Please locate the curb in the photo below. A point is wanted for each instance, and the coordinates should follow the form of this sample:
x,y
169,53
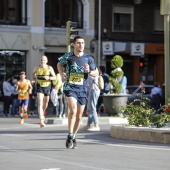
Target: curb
x,y
102,120
56,121
142,134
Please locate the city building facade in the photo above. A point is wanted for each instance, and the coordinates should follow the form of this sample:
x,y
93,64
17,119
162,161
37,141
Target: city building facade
x,y
32,28
133,29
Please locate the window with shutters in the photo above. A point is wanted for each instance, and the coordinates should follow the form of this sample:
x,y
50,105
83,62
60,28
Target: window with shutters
x,y
13,12
58,12
122,18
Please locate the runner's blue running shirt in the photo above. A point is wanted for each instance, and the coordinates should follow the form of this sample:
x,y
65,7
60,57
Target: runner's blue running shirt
x,y
76,75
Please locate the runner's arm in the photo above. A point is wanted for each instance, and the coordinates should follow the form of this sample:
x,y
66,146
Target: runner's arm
x,y
61,72
30,87
93,73
34,74
53,76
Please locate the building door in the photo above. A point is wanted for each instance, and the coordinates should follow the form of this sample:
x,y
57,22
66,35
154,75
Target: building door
x,y
53,60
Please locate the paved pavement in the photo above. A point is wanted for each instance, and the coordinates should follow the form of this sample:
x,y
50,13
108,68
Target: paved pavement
x,y
116,132
29,147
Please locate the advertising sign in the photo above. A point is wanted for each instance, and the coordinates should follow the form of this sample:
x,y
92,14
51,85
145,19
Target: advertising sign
x,y
107,48
137,49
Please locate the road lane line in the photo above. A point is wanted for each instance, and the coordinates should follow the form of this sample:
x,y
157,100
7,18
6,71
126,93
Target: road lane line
x,y
149,147
30,125
51,159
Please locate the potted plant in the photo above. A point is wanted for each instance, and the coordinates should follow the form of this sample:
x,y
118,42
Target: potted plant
x,y
116,99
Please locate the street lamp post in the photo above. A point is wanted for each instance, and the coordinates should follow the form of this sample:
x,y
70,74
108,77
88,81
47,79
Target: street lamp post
x,y
165,10
99,35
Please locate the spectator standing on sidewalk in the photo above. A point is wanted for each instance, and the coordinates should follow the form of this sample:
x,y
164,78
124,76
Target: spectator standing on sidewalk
x,y
123,81
7,90
60,108
156,97
14,108
78,65
32,99
102,71
24,88
93,95
45,75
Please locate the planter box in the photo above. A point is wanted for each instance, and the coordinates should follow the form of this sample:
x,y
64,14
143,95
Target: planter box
x,y
113,102
142,134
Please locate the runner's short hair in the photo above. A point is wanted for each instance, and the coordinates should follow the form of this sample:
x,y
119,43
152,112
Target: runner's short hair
x,y
22,72
77,37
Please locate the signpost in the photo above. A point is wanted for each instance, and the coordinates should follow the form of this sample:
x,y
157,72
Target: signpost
x,y
165,10
70,33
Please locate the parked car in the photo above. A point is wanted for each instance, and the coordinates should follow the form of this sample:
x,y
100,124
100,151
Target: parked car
x,y
135,92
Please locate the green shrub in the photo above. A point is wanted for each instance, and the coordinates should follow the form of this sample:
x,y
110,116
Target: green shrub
x,y
117,61
116,64
143,115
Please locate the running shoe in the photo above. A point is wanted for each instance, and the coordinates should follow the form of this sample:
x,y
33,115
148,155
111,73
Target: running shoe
x,y
42,124
21,121
74,144
25,116
69,142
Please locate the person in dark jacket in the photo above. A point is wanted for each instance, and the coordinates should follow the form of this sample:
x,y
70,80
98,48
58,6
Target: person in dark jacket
x,y
32,99
14,109
156,97
105,90
7,90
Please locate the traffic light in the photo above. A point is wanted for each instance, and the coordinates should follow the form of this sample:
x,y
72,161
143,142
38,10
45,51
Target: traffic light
x,y
70,31
141,64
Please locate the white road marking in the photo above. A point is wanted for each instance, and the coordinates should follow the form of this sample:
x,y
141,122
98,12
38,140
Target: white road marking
x,y
14,135
125,145
37,126
9,128
51,159
51,169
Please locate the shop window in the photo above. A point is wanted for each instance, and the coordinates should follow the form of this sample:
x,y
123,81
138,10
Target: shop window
x,y
122,20
11,63
13,12
158,21
58,12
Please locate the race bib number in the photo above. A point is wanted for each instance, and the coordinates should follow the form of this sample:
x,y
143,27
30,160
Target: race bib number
x,y
44,84
76,78
23,92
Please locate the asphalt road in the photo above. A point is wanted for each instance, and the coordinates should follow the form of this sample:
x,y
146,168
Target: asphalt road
x,y
29,147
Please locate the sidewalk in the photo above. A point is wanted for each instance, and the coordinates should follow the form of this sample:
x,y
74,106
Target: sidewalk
x,y
52,119
102,120
117,130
